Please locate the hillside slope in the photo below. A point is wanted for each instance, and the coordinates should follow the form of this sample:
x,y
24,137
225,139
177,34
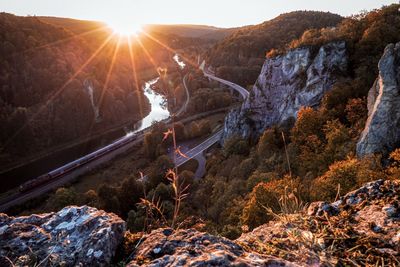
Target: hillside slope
x,y
239,56
58,81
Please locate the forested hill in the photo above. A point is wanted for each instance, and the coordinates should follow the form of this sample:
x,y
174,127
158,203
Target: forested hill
x,y
53,81
74,25
239,56
47,80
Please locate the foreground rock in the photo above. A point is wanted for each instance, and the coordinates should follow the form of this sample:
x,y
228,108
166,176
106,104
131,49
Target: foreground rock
x,y
74,236
362,228
286,83
382,130
163,247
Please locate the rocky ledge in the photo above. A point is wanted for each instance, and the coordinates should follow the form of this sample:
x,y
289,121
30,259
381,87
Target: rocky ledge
x,y
164,247
362,228
74,236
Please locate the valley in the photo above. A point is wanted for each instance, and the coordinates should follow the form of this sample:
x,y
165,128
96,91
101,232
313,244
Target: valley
x,y
159,144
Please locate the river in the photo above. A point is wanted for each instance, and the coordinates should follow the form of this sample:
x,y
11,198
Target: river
x,y
17,176
179,62
159,110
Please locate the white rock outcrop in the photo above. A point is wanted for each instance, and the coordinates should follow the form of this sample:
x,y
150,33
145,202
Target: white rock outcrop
x,y
74,236
382,129
286,83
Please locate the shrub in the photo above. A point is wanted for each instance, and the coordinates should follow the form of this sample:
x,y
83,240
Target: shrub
x,y
236,145
198,128
179,131
136,220
266,198
356,114
90,198
338,141
152,143
244,169
158,170
61,198
394,168
270,142
260,177
108,198
309,122
345,175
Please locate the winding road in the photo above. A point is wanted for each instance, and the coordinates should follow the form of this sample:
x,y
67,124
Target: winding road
x,y
242,91
192,153
129,142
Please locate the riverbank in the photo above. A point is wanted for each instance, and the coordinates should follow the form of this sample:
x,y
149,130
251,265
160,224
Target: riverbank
x,y
57,157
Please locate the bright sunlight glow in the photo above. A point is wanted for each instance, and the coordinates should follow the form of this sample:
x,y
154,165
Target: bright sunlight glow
x,y
125,27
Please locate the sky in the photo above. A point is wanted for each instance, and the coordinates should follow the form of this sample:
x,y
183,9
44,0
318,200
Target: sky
x,y
220,13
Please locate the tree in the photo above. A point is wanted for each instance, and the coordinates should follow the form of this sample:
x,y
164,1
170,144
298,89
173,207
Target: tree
x,y
344,176
90,198
108,198
129,193
62,197
236,145
158,170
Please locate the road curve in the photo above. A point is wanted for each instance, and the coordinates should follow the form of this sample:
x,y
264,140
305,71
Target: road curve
x,y
192,153
184,106
242,91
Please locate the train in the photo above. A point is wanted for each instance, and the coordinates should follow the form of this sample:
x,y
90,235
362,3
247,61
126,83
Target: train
x,y
69,167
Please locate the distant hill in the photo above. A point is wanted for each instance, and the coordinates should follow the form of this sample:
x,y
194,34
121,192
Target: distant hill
x,y
184,30
74,25
247,46
192,31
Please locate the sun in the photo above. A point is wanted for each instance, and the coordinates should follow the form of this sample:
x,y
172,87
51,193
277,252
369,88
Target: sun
x,y
125,27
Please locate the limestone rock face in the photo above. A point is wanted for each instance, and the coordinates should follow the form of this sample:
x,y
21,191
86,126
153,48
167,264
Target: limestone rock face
x,y
382,130
286,83
74,236
163,247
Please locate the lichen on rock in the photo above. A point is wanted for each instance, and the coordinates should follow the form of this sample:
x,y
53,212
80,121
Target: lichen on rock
x,y
73,236
189,247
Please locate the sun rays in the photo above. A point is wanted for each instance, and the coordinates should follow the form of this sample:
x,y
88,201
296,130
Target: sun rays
x,y
134,74
99,50
59,91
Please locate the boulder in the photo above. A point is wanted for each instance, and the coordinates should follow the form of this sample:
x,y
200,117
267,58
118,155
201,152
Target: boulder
x,y
382,129
286,83
189,247
74,236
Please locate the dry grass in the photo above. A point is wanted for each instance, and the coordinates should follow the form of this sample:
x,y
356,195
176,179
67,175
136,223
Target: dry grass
x,y
327,241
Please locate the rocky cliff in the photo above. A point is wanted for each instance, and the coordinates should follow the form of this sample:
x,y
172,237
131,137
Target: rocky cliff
x,y
286,83
361,228
382,129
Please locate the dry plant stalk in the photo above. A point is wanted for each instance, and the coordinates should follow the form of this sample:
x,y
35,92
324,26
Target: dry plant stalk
x,y
154,208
